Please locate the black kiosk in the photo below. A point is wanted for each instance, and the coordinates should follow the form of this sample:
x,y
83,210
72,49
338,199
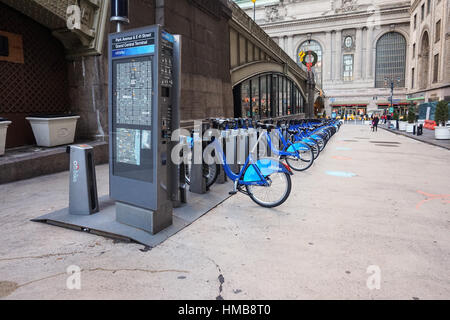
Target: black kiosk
x,y
142,108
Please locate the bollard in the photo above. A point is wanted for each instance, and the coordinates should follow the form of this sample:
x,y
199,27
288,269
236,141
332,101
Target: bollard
x,y
222,176
198,180
420,130
242,146
83,198
182,171
231,145
252,143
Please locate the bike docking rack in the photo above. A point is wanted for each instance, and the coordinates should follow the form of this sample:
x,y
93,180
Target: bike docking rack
x,y
247,150
149,200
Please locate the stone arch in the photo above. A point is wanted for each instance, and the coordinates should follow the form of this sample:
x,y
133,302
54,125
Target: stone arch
x,y
319,79
386,60
250,70
384,32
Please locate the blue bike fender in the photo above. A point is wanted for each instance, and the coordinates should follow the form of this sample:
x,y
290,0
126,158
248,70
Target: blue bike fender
x,y
267,167
309,141
317,137
298,147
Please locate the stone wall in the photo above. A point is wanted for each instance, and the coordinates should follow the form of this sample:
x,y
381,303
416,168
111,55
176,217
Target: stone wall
x,y
206,81
35,85
88,79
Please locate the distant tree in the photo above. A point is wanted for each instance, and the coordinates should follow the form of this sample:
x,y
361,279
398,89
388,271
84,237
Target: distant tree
x,y
441,115
411,115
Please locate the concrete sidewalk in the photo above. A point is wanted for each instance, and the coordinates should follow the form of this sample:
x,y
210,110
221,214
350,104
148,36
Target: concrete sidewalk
x,y
374,200
428,136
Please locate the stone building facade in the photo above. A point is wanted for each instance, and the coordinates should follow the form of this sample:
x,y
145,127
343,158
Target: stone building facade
x,y
54,69
363,47
429,70
66,70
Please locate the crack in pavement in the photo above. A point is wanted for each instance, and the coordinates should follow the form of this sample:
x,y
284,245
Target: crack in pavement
x,y
43,256
94,270
134,270
221,280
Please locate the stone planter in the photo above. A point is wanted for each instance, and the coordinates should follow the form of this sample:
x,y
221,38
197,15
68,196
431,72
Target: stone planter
x,y
3,129
402,125
410,127
442,133
51,131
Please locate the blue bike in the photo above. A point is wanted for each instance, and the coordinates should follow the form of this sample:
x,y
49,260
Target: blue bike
x,y
266,181
299,156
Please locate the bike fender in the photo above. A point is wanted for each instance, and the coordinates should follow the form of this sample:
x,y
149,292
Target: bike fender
x,y
310,141
298,147
317,137
266,166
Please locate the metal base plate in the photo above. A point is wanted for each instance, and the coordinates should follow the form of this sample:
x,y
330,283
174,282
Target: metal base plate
x,y
104,223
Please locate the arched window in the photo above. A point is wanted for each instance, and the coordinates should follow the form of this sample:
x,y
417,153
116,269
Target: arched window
x,y
267,95
317,69
390,61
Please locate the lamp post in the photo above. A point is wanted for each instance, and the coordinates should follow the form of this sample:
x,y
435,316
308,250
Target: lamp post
x,y
254,10
392,84
119,13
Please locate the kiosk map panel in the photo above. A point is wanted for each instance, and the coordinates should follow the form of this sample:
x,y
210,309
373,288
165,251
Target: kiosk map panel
x,y
134,92
133,105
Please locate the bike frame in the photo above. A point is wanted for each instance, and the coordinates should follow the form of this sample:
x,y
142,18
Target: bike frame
x,y
239,177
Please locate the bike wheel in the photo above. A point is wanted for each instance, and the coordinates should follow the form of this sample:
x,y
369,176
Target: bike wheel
x,y
303,162
210,172
321,144
273,195
316,150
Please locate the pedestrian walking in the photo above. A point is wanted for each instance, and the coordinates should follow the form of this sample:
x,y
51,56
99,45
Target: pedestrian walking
x,y
375,122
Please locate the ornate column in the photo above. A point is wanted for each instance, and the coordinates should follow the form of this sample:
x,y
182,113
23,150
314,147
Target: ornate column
x,y
284,46
369,53
290,47
358,53
338,55
327,57
311,85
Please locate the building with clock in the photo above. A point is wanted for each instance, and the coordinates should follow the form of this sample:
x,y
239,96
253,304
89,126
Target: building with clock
x,y
362,46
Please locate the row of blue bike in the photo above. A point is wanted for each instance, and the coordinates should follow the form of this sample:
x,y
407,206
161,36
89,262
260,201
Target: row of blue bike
x,y
293,145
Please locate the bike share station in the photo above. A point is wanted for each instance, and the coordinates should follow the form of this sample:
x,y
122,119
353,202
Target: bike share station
x,y
148,201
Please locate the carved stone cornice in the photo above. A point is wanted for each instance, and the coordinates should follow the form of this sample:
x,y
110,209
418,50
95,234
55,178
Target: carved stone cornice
x,y
334,18
84,39
244,24
414,6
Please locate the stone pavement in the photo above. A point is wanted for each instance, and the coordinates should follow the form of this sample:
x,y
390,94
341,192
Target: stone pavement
x,y
376,202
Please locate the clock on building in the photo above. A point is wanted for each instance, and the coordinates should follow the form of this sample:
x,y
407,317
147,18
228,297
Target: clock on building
x,y
348,42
